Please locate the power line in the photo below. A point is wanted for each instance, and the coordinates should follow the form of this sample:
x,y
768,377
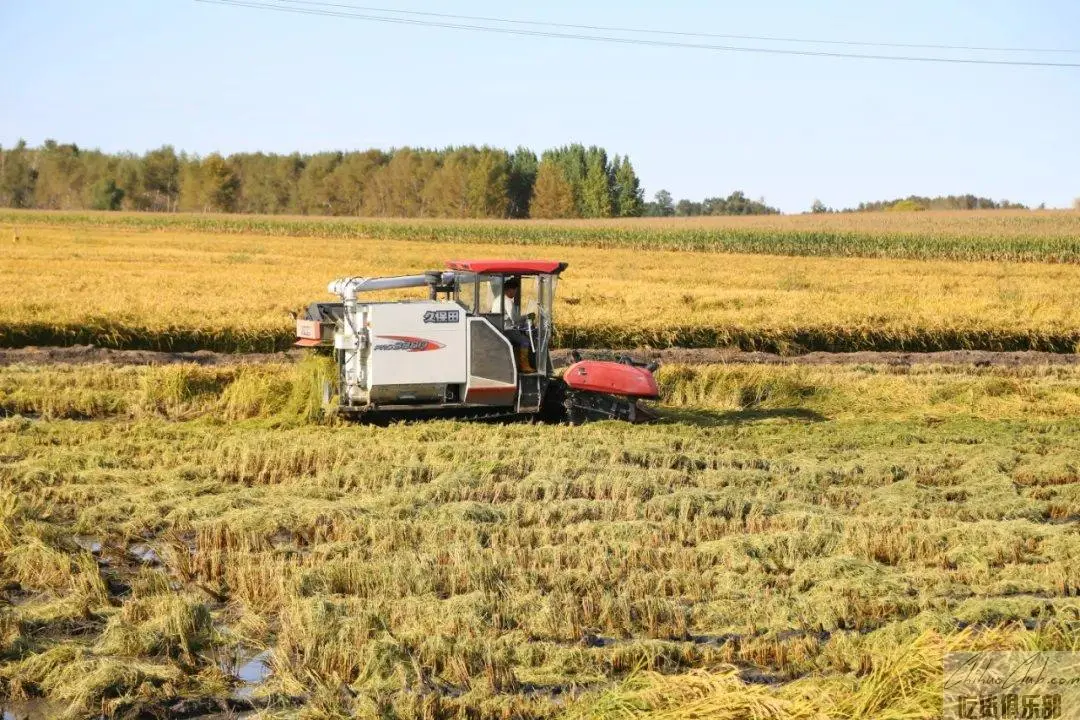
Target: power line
x,y
634,41
677,33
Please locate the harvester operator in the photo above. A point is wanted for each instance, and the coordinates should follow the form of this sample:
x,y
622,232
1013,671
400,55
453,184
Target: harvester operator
x,y
507,303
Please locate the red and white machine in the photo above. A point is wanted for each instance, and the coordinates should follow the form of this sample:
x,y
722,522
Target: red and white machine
x,y
478,345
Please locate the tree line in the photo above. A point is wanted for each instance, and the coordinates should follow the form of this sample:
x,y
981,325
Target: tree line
x,y
918,202
663,205
572,181
457,182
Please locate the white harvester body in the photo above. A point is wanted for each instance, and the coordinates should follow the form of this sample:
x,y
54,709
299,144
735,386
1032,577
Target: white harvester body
x,y
419,351
481,348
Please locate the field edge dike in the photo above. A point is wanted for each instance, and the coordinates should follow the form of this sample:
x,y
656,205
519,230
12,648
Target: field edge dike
x,y
787,342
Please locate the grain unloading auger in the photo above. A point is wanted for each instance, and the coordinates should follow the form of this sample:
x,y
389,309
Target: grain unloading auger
x,y
477,346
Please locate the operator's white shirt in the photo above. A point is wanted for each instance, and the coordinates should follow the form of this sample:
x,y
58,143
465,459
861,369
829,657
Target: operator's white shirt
x,y
511,315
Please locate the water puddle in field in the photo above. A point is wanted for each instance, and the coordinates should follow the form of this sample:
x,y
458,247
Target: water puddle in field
x,y
282,539
756,676
559,694
250,670
592,640
35,709
144,553
88,542
252,674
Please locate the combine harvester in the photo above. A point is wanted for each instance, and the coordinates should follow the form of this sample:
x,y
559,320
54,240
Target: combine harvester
x,y
478,346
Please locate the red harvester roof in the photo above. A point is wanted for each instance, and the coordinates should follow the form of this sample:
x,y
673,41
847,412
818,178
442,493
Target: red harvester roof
x,y
508,267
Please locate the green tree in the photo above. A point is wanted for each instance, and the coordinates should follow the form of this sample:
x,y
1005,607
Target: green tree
x,y
522,178
17,177
397,188
60,177
736,204
446,193
106,195
221,183
159,180
596,191
349,179
267,182
573,163
488,182
629,197
127,169
315,195
553,195
818,207
908,205
662,205
688,208
208,185
192,195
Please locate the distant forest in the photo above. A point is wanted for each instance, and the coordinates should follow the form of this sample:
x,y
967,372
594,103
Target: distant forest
x,y
663,205
462,182
573,181
917,202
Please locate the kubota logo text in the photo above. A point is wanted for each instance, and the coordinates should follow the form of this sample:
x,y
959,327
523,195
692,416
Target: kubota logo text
x,y
408,344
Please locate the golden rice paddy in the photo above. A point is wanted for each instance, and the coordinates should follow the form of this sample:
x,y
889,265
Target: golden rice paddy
x,y
787,542
151,289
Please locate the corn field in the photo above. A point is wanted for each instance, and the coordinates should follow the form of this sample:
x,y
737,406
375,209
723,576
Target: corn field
x,y
1009,236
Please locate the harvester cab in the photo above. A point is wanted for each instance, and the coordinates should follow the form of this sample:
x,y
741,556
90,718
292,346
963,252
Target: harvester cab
x,y
478,345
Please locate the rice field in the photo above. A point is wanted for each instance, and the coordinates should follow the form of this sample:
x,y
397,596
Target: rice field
x,y
788,542
152,282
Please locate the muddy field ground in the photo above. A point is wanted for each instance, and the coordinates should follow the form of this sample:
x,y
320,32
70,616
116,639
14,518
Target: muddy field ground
x,y
185,540
88,354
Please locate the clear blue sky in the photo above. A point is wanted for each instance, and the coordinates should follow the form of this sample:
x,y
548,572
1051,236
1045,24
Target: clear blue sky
x,y
137,74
